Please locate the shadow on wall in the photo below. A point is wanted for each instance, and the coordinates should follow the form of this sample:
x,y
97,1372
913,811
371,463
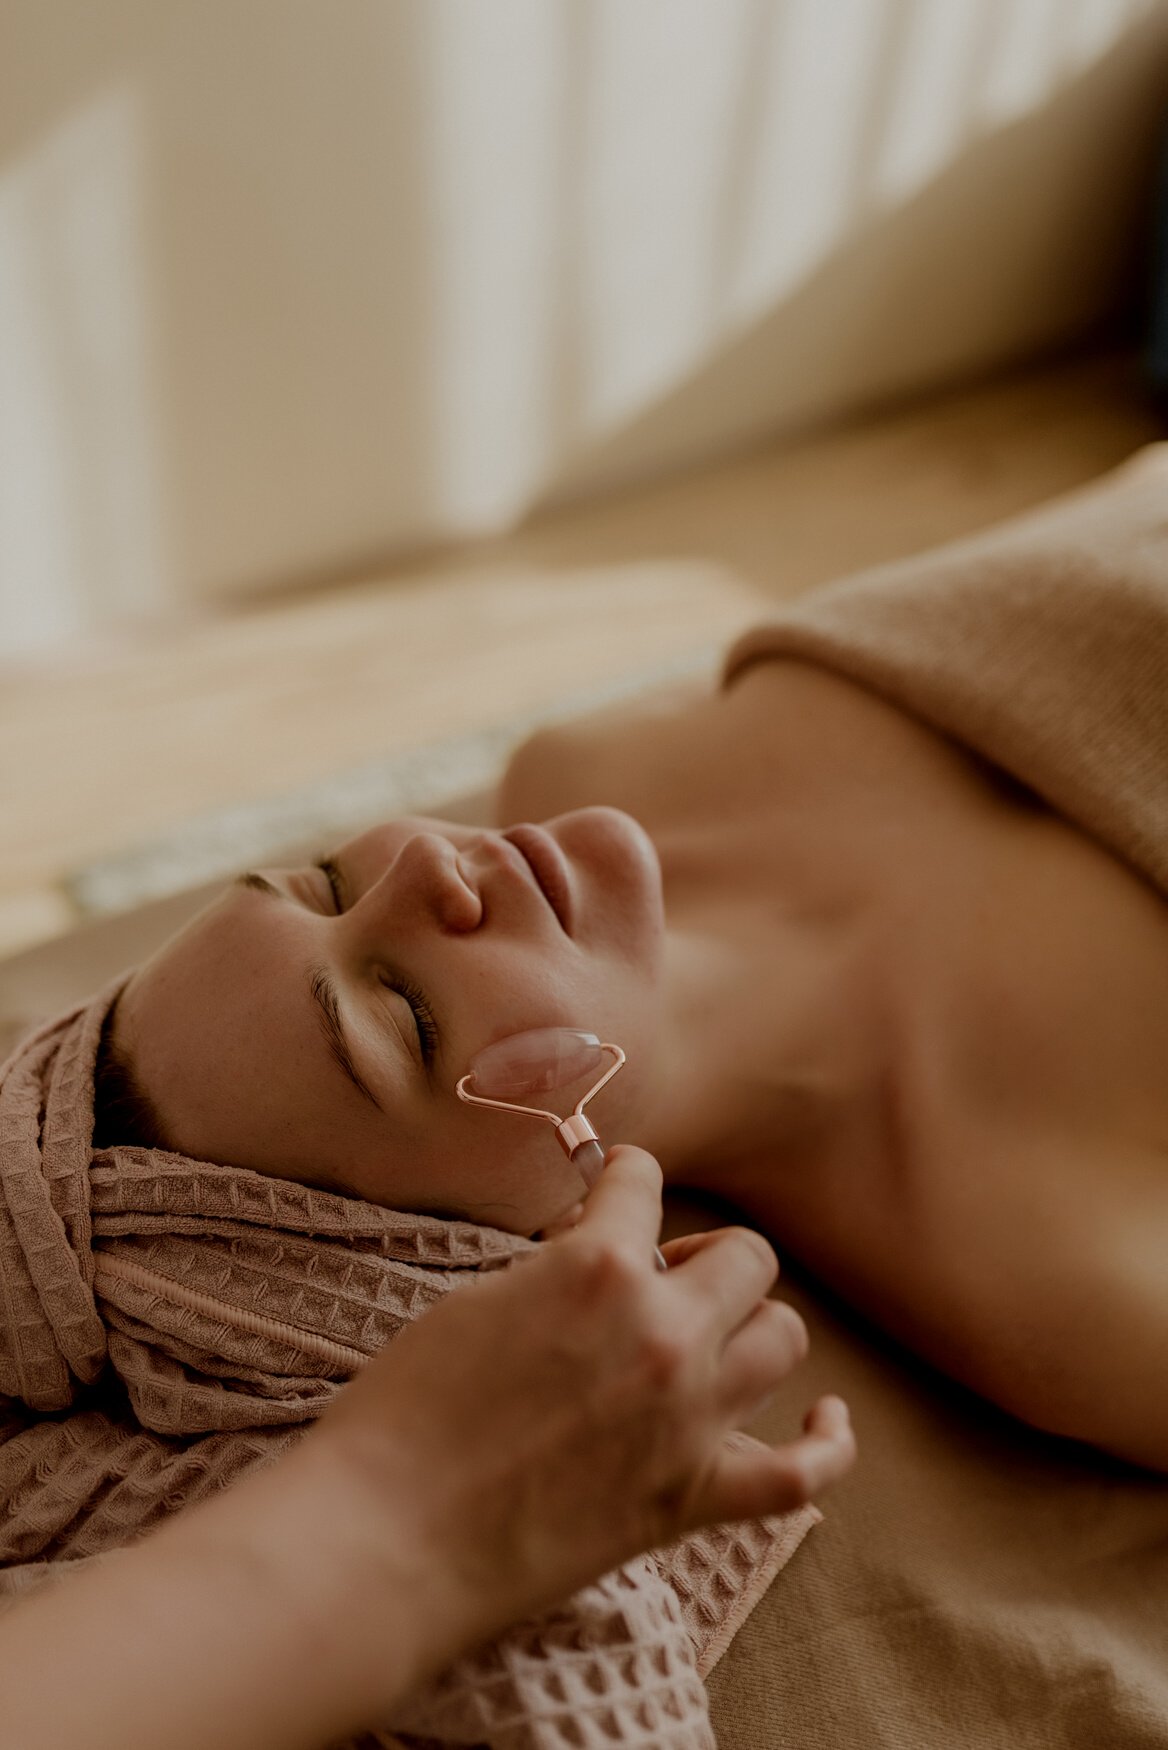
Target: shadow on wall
x,y
912,298
216,344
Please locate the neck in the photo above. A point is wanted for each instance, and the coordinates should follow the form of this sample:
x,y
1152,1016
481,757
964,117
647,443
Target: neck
x,y
770,1034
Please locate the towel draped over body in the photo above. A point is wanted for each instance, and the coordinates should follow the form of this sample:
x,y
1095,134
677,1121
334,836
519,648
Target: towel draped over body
x,y
1041,644
168,1324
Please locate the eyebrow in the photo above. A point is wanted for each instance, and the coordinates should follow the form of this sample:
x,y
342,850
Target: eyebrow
x,y
249,878
324,994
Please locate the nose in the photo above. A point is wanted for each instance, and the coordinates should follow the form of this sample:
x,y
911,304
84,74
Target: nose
x,y
426,878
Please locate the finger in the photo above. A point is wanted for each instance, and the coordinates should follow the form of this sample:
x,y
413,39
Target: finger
x,y
625,1203
676,1251
728,1274
759,1355
748,1482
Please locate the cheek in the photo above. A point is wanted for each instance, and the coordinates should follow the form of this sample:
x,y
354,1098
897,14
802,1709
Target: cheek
x,y
503,1170
509,1170
510,991
522,1161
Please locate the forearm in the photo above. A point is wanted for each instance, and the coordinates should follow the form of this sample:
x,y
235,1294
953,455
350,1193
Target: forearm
x,y
277,1615
442,1497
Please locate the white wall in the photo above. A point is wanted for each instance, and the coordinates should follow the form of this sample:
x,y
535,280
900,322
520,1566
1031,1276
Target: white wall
x,y
287,286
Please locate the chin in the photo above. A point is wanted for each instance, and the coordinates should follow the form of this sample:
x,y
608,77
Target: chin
x,y
614,850
560,1224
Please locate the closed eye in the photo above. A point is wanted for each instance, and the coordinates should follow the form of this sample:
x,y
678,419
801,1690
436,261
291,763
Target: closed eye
x,y
428,1036
333,876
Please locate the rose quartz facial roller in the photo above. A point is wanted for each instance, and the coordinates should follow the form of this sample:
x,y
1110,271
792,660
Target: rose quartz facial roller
x,y
539,1062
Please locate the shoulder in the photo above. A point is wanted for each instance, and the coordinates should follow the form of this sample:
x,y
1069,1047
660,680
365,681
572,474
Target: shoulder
x,y
1048,1286
617,755
1087,1347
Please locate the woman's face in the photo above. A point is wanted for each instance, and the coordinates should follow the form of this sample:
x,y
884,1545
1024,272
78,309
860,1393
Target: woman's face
x,y
272,1032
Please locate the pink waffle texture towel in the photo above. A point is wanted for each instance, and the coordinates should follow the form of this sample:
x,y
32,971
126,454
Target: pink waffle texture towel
x,y
168,1324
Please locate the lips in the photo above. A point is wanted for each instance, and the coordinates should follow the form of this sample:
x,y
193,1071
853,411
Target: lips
x,y
547,863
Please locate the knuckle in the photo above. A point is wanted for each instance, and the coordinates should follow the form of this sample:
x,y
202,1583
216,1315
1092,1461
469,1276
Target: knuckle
x,y
754,1242
786,1335
605,1268
663,1355
795,1331
798,1479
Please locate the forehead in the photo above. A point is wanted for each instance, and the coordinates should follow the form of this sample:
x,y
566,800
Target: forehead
x,y
225,1039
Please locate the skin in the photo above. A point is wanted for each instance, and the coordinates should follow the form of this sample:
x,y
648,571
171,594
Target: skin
x,y
960,1112
228,1042
439,1498
900,1016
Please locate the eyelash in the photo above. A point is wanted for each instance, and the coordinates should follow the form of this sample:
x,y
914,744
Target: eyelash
x,y
423,1018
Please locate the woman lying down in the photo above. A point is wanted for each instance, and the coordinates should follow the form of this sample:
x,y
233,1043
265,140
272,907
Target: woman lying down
x,y
880,925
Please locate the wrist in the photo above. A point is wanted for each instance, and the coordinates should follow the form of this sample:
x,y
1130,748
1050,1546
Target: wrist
x,y
334,1577
280,1615
376,1596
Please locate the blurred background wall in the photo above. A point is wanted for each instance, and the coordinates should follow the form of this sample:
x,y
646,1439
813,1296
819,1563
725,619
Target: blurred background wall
x,y
288,287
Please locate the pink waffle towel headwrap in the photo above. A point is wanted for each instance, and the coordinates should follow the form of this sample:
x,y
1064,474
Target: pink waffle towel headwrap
x,y
167,1324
